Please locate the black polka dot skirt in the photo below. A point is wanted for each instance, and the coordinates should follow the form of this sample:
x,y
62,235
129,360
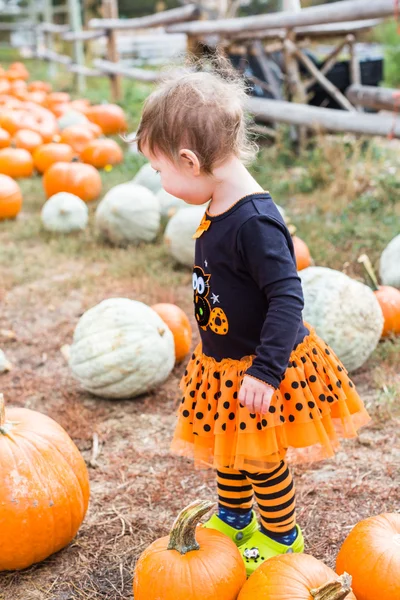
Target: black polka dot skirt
x,y
315,405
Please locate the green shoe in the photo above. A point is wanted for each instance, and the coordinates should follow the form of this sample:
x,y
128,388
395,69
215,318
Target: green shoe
x,y
239,536
260,547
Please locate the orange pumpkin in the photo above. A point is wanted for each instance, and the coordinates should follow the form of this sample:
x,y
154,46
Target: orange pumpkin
x,y
76,178
38,97
371,554
58,98
179,324
27,139
101,153
5,138
48,154
39,86
10,198
19,89
77,136
190,563
110,117
30,116
4,86
44,491
16,162
95,129
17,71
302,253
80,105
299,576
59,110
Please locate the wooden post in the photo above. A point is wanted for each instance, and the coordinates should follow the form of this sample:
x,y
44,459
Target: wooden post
x,y
294,87
355,69
34,20
48,37
110,11
79,55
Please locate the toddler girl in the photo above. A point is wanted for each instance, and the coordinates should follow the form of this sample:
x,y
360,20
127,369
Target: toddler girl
x,y
261,390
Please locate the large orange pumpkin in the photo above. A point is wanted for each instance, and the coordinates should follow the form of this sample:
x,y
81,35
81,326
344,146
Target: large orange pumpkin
x,y
371,554
48,154
191,563
101,153
16,162
76,178
10,198
27,139
77,136
296,576
179,324
5,138
44,490
110,117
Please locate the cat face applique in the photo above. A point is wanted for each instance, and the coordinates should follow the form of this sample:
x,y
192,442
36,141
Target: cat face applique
x,y
214,318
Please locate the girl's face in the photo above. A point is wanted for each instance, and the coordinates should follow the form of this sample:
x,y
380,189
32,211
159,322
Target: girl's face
x,y
184,180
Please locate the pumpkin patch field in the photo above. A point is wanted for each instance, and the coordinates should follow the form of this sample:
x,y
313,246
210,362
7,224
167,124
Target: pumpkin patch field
x,y
93,252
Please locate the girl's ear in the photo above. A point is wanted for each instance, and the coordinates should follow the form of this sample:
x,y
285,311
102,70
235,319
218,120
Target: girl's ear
x,y
190,161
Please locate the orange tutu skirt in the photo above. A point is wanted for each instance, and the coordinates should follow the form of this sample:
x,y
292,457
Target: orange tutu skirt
x,y
315,405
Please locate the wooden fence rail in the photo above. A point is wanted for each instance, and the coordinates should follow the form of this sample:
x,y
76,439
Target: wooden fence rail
x,y
190,11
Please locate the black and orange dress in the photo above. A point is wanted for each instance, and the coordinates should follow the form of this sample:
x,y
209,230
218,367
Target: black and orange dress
x,y
248,305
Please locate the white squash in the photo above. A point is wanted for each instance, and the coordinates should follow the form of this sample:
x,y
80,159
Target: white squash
x,y
72,117
389,267
5,365
121,348
128,213
64,213
148,177
344,312
170,204
179,234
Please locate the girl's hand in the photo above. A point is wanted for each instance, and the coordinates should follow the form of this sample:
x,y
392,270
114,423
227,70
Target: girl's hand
x,y
255,395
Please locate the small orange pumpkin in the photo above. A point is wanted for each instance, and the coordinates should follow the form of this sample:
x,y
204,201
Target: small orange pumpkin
x,y
101,153
302,253
10,198
110,117
48,154
39,86
76,178
4,86
371,554
57,98
27,139
77,136
16,162
299,576
17,70
179,324
95,129
81,105
5,138
190,563
44,491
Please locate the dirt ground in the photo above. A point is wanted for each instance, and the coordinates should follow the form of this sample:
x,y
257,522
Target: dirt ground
x,y
137,487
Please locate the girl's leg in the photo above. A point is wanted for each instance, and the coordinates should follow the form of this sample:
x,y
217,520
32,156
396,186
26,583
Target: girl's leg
x,y
235,498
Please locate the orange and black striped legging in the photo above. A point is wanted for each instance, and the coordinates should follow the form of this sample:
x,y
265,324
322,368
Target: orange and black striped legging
x,y
274,491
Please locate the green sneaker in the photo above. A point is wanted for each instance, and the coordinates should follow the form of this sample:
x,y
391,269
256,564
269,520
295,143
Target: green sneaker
x,y
260,548
239,536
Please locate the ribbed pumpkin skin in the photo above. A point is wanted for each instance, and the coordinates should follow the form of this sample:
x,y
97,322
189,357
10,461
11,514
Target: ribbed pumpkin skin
x,y
27,139
5,138
101,153
44,490
10,198
302,253
215,572
389,301
77,136
288,577
76,178
179,324
371,555
16,162
48,154
110,117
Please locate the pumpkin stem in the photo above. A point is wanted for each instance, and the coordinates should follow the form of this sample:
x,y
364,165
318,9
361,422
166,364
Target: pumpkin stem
x,y
2,411
334,590
183,534
364,260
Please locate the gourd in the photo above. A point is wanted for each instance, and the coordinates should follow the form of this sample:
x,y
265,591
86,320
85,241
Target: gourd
x,y
170,204
389,267
48,154
76,178
344,312
179,234
44,490
110,117
148,177
371,554
27,139
179,325
77,136
128,214
10,198
64,213
121,348
16,162
296,576
101,153
71,117
193,563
